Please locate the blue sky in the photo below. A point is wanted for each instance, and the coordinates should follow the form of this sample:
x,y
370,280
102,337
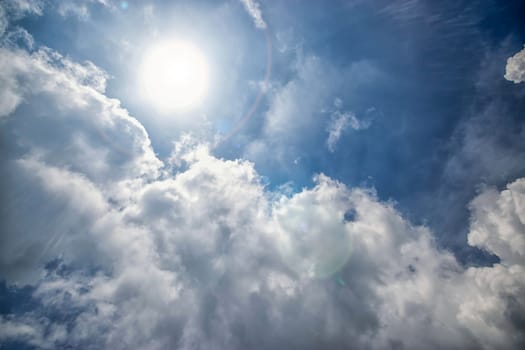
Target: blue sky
x,y
352,177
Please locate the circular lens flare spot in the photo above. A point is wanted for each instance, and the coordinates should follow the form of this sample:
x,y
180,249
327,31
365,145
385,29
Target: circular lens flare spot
x,y
315,244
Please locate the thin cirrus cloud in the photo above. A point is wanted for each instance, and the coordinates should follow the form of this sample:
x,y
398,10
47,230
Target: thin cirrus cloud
x,y
145,253
253,9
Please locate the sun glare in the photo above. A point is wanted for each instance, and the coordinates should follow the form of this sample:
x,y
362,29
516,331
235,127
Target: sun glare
x,y
174,76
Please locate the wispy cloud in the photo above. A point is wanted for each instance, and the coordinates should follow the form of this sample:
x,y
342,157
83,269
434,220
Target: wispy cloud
x,y
14,9
254,10
296,121
336,127
339,122
81,8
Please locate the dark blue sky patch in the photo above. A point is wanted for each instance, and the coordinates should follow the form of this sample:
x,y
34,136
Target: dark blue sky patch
x,y
16,300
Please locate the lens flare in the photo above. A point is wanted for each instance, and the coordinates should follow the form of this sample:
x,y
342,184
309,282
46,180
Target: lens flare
x,y
313,247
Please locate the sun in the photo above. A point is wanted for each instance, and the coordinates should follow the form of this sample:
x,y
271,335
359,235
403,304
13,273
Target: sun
x,y
174,76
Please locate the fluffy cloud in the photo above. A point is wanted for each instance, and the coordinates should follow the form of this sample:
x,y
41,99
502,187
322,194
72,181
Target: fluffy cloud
x,y
67,140
498,226
515,69
208,258
498,220
125,251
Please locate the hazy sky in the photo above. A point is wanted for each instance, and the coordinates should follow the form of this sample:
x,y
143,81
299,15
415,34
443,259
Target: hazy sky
x,y
268,174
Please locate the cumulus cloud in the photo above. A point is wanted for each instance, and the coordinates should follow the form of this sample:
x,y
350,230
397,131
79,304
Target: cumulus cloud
x,y
503,213
515,69
253,8
69,135
498,226
124,252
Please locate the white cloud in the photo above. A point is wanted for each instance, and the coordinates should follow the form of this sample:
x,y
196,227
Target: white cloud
x,y
16,9
495,305
253,8
20,8
293,117
73,144
515,69
65,99
498,223
38,333
209,258
80,8
226,261
339,122
299,112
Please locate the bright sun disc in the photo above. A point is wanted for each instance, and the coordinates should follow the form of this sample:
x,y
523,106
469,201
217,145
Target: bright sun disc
x,y
174,75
